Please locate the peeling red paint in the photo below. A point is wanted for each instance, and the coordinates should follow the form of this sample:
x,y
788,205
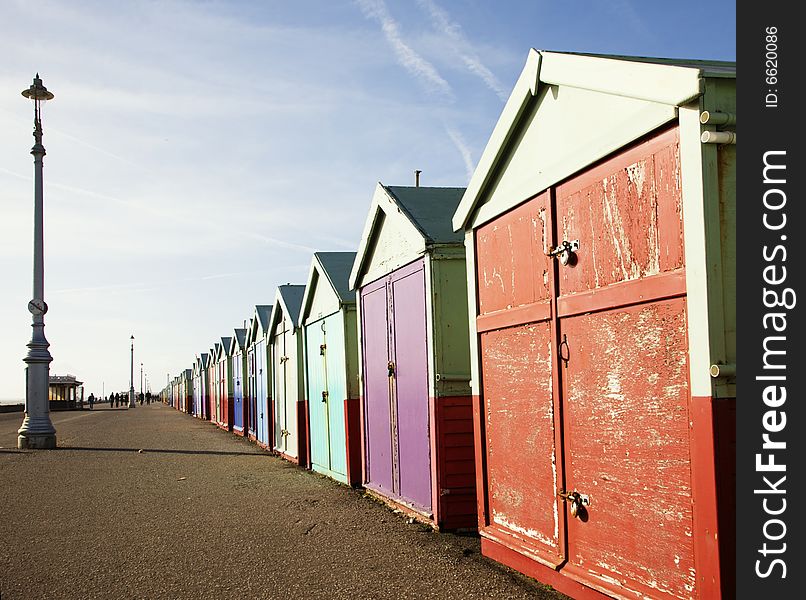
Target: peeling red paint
x,y
626,431
594,354
519,419
508,279
626,214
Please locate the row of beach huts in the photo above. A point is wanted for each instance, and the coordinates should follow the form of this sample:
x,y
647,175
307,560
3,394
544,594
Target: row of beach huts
x,y
546,356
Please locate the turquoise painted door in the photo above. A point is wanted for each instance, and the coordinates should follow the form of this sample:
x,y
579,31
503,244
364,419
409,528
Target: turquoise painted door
x,y
327,390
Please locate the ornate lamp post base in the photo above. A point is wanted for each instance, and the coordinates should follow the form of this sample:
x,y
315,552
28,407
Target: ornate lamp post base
x,y
39,441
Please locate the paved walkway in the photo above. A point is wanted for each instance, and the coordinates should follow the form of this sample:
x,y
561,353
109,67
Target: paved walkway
x,y
151,503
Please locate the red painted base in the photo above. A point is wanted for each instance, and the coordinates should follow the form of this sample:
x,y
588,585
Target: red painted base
x,y
289,458
352,429
262,445
302,434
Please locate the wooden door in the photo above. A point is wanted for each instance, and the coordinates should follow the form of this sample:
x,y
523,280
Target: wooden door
x,y
378,427
281,392
326,395
518,352
585,376
261,394
622,323
410,384
396,386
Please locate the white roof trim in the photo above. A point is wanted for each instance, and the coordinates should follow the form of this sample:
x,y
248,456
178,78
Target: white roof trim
x,y
307,298
661,83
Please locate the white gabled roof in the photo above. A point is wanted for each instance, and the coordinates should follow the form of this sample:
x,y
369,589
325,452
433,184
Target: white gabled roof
x,y
657,82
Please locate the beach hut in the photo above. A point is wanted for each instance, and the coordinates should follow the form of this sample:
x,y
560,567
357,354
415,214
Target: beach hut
x,y
174,392
328,323
186,391
409,273
224,403
600,235
249,380
259,370
197,388
178,402
212,380
240,410
286,358
204,366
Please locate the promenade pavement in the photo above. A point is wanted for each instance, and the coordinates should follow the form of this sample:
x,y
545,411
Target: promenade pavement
x,y
150,503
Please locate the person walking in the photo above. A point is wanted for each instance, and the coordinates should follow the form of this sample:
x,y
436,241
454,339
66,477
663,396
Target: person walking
x,y
91,400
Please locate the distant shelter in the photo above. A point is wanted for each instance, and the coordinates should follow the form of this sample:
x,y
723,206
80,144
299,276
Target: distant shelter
x,y
65,392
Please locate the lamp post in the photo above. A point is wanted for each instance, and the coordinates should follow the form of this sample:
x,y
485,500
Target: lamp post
x,y
37,430
131,379
141,382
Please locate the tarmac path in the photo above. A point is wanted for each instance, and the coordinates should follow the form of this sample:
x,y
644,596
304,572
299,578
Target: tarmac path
x,y
151,503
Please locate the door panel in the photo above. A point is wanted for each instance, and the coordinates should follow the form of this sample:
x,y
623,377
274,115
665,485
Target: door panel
x,y
317,408
411,386
519,423
627,447
508,279
237,391
291,391
378,421
261,393
337,392
281,388
626,214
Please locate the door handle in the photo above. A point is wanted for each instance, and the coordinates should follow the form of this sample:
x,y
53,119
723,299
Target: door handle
x,y
565,252
576,500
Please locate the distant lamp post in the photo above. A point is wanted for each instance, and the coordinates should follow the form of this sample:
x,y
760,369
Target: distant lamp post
x,y
131,379
141,382
37,430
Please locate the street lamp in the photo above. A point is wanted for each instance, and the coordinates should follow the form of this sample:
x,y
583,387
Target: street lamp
x,y
37,430
131,379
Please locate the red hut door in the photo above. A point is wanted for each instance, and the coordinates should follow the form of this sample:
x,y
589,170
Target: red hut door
x,y
585,376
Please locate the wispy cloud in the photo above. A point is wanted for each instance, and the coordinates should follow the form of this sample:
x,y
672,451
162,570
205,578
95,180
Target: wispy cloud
x,y
624,10
462,46
281,243
17,175
413,62
463,148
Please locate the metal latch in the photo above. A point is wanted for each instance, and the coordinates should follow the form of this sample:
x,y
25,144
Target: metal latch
x,y
322,348
576,500
391,367
564,251
325,395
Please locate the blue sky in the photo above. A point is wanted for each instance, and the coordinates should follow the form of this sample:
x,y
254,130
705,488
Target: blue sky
x,y
199,152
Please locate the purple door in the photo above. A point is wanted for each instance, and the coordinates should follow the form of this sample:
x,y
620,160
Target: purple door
x,y
396,403
411,384
378,425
